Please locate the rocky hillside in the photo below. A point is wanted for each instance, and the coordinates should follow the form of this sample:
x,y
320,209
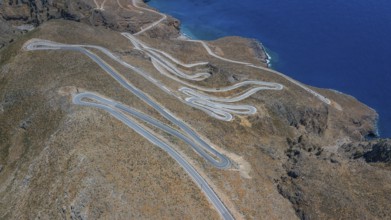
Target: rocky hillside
x,y
19,16
296,157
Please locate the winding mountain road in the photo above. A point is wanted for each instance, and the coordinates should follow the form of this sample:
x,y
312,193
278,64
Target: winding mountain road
x,y
196,96
118,110
215,106
164,17
210,52
209,103
101,6
223,161
189,137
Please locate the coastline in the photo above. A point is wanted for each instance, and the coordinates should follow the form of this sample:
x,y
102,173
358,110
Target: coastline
x,y
265,57
273,63
268,58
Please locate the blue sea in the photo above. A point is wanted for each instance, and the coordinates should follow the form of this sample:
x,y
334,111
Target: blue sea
x,y
338,44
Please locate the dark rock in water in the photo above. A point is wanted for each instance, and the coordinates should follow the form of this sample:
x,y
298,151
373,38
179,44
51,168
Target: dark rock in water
x,y
372,135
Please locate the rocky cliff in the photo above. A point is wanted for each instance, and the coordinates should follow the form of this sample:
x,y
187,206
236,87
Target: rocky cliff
x,y
19,16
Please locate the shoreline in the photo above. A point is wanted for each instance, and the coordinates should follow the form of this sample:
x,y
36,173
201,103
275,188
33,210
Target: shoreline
x,y
267,59
184,36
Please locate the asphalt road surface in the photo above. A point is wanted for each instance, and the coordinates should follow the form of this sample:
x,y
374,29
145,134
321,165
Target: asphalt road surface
x,y
119,111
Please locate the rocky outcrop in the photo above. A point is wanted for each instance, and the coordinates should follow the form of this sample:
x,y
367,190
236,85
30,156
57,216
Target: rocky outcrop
x,y
322,182
312,120
16,14
35,12
380,152
375,151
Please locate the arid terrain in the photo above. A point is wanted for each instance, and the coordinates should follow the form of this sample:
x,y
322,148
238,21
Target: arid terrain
x,y
292,151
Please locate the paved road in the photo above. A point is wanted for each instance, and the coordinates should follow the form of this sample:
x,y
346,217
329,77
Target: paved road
x,y
210,52
195,142
101,6
118,110
164,17
316,94
152,53
215,106
223,162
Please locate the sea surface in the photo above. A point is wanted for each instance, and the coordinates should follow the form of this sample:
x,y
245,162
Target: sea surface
x,y
338,44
